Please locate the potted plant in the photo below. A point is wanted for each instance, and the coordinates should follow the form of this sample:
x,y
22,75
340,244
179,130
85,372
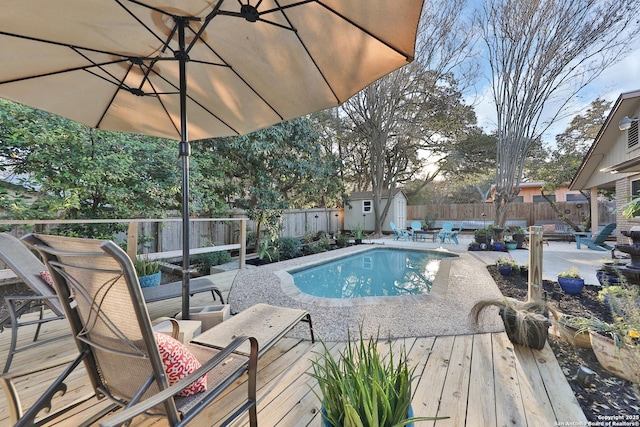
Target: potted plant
x,y
524,269
570,281
575,329
526,323
482,235
511,244
618,348
506,265
357,233
148,272
361,387
518,235
498,245
474,246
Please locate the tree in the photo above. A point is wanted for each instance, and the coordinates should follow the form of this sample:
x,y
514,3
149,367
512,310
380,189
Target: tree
x,y
394,120
541,54
571,145
276,168
85,173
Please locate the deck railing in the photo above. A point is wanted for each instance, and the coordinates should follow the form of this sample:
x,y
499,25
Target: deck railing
x,y
163,234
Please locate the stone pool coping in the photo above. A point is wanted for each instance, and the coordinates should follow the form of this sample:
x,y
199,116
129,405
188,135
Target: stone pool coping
x,y
443,313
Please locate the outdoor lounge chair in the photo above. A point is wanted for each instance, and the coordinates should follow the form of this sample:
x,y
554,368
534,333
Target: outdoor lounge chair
x,y
398,233
26,265
597,242
103,302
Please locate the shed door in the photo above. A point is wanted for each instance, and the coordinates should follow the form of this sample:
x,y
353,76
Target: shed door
x,y
401,212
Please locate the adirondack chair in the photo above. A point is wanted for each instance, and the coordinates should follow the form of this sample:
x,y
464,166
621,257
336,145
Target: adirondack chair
x,y
597,242
398,233
123,358
445,232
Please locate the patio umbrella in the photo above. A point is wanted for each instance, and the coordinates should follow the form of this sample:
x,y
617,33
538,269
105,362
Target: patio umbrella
x,y
194,69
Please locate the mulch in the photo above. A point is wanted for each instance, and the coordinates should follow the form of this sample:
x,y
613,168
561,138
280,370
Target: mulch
x,y
608,396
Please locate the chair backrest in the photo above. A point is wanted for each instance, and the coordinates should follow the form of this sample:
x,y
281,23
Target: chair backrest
x,y
26,265
393,226
416,225
447,226
604,233
99,291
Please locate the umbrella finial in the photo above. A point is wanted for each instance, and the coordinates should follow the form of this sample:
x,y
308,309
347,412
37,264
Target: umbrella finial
x,y
249,12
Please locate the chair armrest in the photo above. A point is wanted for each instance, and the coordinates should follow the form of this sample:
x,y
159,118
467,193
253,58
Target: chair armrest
x,y
175,326
157,399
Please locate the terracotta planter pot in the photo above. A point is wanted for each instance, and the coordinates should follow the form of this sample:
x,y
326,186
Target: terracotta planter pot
x,y
572,336
623,362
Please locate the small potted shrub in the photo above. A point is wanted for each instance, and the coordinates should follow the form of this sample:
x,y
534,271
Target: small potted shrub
x,y
474,246
524,269
526,323
570,281
511,245
148,272
506,265
518,235
483,236
498,245
357,233
361,387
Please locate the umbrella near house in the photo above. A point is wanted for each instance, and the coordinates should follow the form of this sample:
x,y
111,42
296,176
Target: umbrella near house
x,y
194,69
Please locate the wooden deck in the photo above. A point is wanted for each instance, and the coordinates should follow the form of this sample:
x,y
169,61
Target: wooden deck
x,y
476,380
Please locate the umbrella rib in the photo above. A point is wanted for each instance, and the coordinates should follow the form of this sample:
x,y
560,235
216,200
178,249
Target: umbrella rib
x,y
311,58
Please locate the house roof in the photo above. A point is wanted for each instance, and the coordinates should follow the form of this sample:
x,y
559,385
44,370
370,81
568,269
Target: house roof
x,y
364,195
626,105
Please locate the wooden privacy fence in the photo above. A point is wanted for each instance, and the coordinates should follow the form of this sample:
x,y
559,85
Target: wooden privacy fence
x,y
531,212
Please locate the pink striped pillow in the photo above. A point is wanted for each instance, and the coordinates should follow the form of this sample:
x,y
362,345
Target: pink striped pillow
x,y
44,275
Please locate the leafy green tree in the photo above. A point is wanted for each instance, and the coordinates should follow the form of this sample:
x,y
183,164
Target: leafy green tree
x,y
276,168
80,172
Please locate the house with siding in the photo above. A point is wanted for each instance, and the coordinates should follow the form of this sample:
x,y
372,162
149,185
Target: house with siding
x,y
613,161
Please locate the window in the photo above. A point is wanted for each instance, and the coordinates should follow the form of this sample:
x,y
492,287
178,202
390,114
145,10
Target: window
x,y
576,198
635,188
539,198
518,199
367,206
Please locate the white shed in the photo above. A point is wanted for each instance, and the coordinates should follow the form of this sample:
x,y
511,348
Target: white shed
x,y
360,210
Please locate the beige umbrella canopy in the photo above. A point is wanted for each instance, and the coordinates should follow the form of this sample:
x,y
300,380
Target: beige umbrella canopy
x,y
193,69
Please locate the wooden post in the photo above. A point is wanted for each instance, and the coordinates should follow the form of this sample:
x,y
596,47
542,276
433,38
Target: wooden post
x,y
243,243
535,263
132,240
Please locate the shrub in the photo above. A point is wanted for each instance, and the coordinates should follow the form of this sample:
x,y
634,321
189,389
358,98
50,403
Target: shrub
x,y
288,247
210,259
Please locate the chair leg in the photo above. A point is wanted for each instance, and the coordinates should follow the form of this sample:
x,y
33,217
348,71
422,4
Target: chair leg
x,y
41,316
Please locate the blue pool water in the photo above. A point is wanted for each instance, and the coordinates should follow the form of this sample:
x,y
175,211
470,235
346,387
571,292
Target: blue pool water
x,y
378,272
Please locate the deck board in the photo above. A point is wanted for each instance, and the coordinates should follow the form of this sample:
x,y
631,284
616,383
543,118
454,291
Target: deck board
x,y
474,379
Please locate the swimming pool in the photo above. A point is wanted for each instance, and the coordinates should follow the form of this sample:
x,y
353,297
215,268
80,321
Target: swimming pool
x,y
380,272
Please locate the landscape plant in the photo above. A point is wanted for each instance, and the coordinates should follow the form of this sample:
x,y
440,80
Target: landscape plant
x,y
361,387
146,267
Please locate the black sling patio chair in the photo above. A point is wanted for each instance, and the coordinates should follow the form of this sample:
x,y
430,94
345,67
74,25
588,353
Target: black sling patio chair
x,y
98,288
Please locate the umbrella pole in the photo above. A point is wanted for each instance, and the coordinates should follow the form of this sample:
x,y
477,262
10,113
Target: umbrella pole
x,y
185,152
